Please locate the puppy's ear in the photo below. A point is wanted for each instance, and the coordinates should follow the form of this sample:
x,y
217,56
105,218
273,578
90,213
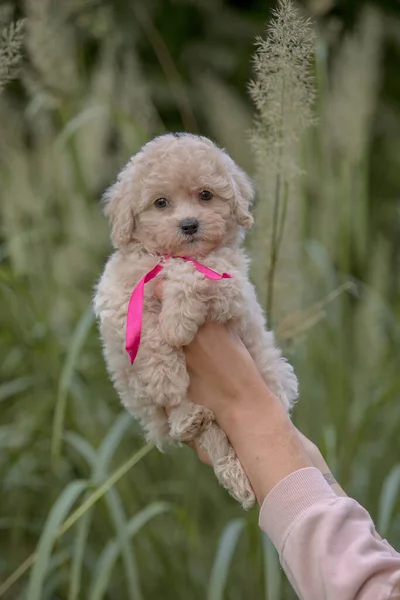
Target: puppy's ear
x,y
244,194
118,202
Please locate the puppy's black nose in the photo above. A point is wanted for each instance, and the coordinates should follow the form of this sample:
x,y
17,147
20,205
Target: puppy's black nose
x,y
189,226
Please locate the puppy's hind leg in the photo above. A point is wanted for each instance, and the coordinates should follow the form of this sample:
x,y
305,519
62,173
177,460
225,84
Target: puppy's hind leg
x,y
160,371
187,421
227,467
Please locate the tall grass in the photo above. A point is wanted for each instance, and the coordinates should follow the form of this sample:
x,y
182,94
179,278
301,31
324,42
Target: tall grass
x,y
87,510
283,92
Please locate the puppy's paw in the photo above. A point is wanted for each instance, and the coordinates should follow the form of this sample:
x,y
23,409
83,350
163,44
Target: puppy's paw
x,y
178,333
188,421
231,475
226,302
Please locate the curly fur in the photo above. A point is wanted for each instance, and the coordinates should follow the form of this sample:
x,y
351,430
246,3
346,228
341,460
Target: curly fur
x,y
178,167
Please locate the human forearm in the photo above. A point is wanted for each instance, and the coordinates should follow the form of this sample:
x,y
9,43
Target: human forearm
x,y
263,437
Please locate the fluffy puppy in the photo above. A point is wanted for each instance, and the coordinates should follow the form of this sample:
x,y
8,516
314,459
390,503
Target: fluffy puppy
x,y
182,196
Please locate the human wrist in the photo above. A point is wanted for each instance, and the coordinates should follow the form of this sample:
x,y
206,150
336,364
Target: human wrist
x,y
320,463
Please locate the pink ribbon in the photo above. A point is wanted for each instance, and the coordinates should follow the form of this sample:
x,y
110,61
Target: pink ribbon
x,y
135,308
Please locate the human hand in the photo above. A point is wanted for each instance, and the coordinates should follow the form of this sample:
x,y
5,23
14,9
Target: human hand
x,y
224,378
220,367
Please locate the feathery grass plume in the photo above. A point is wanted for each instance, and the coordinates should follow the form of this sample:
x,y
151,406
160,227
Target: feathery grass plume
x,y
91,128
117,104
283,93
11,40
51,45
355,87
133,105
347,110
227,117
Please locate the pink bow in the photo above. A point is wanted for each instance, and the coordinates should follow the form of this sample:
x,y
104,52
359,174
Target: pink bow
x,y
135,308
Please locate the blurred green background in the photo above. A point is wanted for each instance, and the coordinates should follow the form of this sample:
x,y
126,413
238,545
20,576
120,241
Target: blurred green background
x,y
81,514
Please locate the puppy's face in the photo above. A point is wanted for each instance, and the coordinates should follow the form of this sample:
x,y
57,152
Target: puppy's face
x,y
186,216
181,196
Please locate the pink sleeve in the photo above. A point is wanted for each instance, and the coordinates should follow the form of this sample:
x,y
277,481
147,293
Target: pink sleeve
x,y
327,544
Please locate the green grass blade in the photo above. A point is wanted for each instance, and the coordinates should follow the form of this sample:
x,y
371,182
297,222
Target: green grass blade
x,y
81,538
16,386
106,451
86,450
103,572
49,534
226,548
129,561
56,575
99,463
272,570
78,513
82,447
388,499
17,574
105,564
104,488
77,341
55,582
110,443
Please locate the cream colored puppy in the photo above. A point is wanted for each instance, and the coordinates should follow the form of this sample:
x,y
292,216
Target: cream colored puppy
x,y
182,196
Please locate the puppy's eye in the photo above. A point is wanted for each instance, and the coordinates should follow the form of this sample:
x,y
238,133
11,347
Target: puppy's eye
x,y
161,203
205,195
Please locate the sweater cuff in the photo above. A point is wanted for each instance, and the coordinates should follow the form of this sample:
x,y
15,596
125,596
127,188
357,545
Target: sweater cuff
x,y
289,499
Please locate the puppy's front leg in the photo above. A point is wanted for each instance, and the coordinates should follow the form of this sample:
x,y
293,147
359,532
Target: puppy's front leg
x,y
184,309
226,299
184,304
